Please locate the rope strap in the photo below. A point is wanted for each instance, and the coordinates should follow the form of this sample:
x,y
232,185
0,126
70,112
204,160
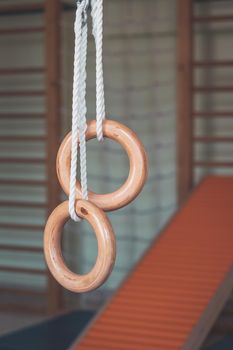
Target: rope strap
x,y
79,108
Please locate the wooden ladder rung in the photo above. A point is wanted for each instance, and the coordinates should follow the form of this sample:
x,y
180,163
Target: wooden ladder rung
x,y
26,93
18,248
214,114
25,227
220,18
23,204
22,160
22,115
16,182
20,291
15,71
15,138
22,308
22,270
26,30
20,8
208,139
206,164
220,63
212,89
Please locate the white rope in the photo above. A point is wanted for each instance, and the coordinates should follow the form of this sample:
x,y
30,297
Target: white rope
x,y
97,18
79,109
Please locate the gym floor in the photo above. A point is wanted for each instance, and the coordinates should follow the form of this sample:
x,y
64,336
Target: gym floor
x,y
55,333
13,321
58,332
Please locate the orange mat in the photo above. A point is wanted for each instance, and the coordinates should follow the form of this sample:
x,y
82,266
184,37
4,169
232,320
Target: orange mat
x,y
175,293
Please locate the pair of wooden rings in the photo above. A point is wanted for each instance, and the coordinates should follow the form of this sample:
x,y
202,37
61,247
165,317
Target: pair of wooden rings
x,y
93,209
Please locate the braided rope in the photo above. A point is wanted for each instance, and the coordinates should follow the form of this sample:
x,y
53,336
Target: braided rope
x,y
83,112
97,18
79,108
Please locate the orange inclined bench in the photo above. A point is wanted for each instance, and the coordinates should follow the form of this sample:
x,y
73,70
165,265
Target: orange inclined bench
x,y
175,293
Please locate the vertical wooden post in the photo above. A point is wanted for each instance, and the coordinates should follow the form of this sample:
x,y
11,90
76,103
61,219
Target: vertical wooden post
x,y
52,56
184,99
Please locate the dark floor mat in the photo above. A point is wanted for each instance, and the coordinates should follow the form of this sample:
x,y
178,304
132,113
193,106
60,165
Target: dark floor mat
x,y
225,344
57,333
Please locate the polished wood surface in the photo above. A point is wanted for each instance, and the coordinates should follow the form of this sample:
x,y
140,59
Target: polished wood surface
x,y
137,161
106,247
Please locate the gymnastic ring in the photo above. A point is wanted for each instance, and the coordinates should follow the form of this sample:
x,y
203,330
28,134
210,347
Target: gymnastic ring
x,y
137,160
106,247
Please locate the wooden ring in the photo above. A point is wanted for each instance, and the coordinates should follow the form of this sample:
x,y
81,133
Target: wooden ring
x,y
106,247
137,161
